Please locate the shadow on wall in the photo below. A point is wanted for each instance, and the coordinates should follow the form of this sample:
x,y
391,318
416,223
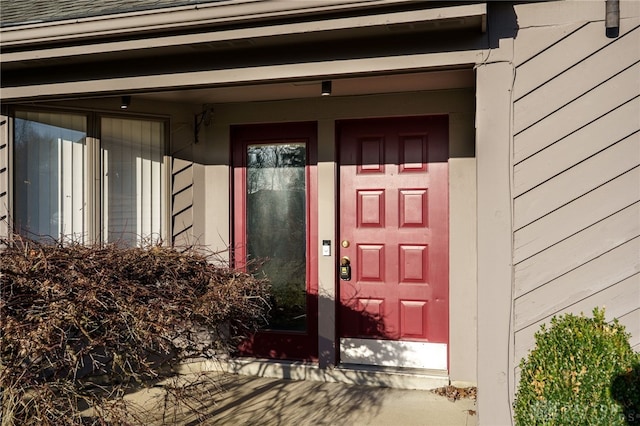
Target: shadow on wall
x,y
625,389
502,22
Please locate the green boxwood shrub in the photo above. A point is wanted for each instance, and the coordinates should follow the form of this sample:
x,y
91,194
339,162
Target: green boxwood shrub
x,y
582,371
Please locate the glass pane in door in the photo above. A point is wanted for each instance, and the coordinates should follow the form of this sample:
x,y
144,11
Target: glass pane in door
x,y
132,154
50,172
276,227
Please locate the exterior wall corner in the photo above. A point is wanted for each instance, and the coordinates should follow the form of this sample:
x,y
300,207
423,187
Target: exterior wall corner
x,y
494,204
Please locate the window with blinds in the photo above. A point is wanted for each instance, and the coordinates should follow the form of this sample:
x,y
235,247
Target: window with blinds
x,y
55,194
132,154
50,160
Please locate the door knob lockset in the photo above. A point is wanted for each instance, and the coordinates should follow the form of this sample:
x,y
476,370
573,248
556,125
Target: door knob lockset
x,y
345,269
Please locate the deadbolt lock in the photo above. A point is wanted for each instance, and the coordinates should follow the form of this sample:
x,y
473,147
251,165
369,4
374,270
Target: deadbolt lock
x,y
345,269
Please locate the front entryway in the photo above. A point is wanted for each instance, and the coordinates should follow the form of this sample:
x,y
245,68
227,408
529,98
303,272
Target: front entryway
x,y
392,261
275,231
393,237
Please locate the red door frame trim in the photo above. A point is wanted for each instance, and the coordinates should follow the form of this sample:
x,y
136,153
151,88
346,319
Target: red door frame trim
x,y
286,345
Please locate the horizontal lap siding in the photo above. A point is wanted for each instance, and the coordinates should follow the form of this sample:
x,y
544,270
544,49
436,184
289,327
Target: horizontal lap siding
x,y
182,201
576,176
4,176
631,321
620,301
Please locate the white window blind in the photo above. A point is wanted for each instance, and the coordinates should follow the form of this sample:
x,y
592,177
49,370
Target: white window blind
x,y
56,197
50,164
132,154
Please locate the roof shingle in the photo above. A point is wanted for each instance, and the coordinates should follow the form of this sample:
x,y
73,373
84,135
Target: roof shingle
x,y
21,12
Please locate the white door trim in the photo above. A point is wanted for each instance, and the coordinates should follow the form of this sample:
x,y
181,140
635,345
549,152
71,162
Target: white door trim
x,y
394,353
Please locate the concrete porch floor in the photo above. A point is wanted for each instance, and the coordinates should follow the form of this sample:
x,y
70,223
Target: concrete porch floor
x,y
228,399
344,373
200,396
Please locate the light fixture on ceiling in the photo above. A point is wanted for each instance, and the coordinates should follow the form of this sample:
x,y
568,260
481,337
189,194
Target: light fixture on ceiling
x,y
125,102
326,88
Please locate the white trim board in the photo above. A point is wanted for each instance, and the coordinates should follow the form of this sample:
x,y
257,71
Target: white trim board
x,y
394,353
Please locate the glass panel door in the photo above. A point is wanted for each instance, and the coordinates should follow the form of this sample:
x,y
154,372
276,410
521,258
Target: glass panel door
x,y
50,164
275,232
56,173
276,227
132,154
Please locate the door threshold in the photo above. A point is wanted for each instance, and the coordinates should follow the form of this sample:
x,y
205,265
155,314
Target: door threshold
x,y
395,370
356,374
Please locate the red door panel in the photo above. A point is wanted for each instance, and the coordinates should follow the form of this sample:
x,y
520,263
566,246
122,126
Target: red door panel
x,y
275,227
394,228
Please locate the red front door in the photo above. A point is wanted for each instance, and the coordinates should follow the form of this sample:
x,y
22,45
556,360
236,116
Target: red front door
x,y
275,231
393,216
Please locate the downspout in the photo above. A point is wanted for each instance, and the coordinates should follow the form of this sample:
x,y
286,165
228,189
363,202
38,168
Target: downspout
x,y
612,18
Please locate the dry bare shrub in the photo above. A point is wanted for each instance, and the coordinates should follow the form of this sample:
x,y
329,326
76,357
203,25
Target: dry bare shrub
x,y
70,313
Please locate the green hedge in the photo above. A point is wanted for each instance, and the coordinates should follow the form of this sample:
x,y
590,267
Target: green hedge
x,y
582,371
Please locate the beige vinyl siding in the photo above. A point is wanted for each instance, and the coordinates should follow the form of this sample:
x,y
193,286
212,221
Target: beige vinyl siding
x,y
182,183
576,175
182,200
4,175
